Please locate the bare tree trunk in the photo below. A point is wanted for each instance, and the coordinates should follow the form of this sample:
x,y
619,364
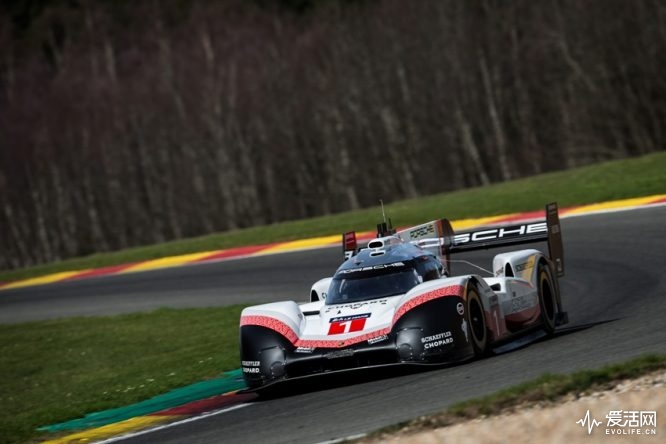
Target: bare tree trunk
x,y
9,76
395,141
65,220
148,191
22,249
45,251
498,131
91,204
530,149
470,147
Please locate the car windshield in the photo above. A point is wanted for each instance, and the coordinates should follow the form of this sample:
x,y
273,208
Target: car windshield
x,y
363,287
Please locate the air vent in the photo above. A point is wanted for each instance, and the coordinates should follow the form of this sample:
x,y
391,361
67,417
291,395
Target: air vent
x,y
377,243
377,253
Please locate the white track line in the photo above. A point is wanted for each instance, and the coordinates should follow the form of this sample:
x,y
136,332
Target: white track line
x,y
348,438
171,424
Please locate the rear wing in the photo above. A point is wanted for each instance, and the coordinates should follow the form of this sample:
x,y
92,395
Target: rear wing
x,y
439,238
547,230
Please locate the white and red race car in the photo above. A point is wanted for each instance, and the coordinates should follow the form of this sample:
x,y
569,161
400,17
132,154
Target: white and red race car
x,y
396,302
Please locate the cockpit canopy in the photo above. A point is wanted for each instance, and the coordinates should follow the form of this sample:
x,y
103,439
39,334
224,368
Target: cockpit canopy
x,y
364,277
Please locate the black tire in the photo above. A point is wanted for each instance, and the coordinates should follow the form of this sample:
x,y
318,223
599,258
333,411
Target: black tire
x,y
547,298
477,321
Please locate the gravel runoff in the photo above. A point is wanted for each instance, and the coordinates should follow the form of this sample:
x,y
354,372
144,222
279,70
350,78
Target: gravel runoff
x,y
557,422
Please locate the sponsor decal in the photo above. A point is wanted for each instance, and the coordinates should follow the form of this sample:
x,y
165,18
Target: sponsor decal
x,y
356,305
520,303
439,343
350,317
460,308
377,339
422,231
444,334
339,354
623,422
500,233
373,267
525,265
437,340
347,324
304,349
463,327
250,366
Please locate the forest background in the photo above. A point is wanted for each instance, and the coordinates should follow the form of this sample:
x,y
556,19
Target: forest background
x,y
126,123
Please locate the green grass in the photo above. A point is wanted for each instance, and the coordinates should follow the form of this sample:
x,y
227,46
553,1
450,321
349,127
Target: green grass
x,y
613,180
548,387
53,371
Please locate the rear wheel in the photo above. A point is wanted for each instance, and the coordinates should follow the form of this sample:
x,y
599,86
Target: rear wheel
x,y
477,320
547,298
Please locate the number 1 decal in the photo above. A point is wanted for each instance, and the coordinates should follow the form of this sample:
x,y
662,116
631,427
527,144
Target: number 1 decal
x,y
347,324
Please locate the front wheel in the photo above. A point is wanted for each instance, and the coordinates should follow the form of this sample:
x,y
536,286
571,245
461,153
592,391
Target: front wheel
x,y
547,298
477,320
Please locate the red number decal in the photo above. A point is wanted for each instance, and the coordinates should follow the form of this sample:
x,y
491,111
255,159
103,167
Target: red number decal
x,y
340,327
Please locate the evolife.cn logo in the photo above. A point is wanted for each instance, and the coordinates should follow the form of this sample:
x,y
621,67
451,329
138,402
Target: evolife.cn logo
x,y
623,422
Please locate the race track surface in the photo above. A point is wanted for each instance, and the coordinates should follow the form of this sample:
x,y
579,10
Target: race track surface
x,y
614,291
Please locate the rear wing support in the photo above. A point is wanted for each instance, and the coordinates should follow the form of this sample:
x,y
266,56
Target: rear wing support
x,y
555,246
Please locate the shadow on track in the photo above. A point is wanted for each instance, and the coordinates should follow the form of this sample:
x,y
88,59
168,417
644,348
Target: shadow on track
x,y
576,328
327,381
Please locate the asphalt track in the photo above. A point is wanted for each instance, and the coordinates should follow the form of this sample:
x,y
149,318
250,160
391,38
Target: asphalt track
x,y
614,290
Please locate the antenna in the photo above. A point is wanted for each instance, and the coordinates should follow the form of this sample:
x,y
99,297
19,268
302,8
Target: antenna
x,y
381,202
384,229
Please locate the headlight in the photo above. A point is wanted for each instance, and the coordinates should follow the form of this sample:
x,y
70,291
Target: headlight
x,y
272,361
408,341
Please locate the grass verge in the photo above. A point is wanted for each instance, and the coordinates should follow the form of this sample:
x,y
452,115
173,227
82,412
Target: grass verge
x,y
53,371
612,180
548,387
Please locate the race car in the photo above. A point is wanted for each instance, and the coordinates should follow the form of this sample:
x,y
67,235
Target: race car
x,y
397,302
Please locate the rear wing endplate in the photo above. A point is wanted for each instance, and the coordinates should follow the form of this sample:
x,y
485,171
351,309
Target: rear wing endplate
x,y
435,236
349,244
